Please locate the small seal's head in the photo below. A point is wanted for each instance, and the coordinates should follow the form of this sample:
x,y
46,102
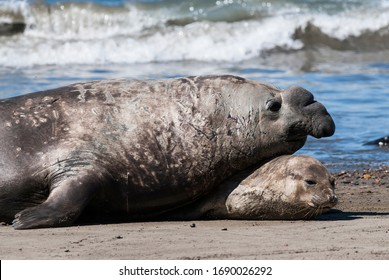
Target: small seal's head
x,y
287,187
309,186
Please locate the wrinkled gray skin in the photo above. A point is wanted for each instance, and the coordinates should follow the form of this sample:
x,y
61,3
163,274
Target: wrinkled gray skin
x,y
288,187
138,148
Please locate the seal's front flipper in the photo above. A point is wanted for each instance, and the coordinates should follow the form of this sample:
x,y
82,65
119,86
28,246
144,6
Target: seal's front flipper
x,y
67,199
43,216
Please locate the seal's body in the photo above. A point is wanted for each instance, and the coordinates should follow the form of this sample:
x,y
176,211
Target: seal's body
x,y
288,187
141,147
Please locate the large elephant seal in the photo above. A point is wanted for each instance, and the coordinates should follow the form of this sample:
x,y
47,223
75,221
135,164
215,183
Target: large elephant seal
x,y
288,187
133,147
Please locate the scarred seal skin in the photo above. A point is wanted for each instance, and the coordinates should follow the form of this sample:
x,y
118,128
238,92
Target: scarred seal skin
x,y
134,148
288,187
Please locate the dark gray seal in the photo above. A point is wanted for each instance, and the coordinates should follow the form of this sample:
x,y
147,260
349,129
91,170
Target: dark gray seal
x,y
383,141
135,148
288,187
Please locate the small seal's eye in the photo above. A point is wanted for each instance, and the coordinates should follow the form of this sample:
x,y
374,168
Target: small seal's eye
x,y
273,106
310,182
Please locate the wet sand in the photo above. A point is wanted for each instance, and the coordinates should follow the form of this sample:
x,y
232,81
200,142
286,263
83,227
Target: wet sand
x,y
358,228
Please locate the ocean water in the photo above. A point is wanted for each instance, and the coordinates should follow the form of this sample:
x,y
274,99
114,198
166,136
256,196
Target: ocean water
x,y
339,50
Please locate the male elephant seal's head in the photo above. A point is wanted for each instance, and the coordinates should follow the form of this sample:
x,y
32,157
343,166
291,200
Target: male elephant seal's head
x,y
287,187
289,116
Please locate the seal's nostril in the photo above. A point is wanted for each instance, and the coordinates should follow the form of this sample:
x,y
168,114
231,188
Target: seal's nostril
x,y
309,102
333,199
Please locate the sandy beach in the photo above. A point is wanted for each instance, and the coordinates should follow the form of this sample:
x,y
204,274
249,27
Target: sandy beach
x,y
358,228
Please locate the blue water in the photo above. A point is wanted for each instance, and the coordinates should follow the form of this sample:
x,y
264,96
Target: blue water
x,y
350,79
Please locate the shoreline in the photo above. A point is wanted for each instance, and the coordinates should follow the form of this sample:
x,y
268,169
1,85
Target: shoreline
x,y
357,228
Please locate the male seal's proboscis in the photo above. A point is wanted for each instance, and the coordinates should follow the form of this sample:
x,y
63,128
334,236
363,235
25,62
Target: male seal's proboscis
x,y
288,187
138,148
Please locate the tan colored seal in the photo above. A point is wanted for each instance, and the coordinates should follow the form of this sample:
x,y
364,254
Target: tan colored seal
x,y
287,187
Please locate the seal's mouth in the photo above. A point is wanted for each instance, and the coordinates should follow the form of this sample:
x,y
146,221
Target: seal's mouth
x,y
323,208
296,139
296,133
311,204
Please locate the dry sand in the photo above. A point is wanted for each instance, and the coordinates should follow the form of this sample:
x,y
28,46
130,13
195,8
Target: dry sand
x,y
358,228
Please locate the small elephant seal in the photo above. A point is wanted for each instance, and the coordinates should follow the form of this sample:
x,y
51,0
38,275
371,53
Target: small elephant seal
x,y
132,148
384,141
288,187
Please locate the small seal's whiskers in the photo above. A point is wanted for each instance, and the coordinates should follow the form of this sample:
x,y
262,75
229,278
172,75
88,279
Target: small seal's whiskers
x,y
303,209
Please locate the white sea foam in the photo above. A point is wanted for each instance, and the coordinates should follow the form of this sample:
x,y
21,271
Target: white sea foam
x,y
86,34
352,23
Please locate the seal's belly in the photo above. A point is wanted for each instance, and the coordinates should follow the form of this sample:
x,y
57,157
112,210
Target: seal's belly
x,y
154,190
149,199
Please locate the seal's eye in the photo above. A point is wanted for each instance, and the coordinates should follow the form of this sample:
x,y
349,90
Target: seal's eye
x,y
273,106
310,182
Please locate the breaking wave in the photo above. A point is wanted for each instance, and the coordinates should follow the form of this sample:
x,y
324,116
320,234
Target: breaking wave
x,y
40,33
